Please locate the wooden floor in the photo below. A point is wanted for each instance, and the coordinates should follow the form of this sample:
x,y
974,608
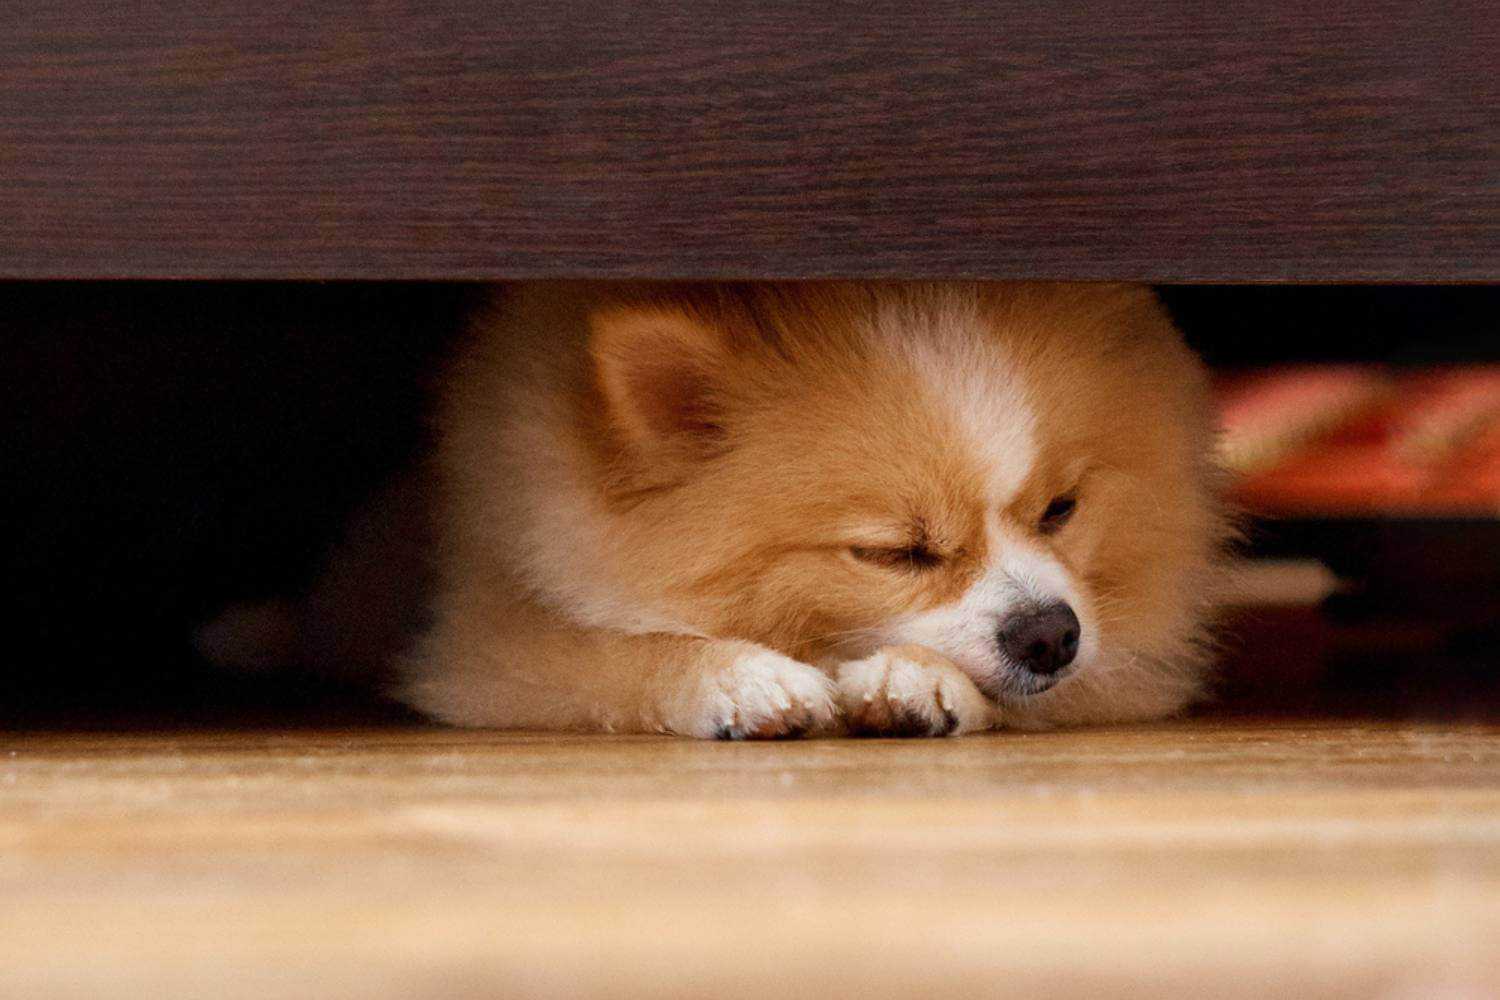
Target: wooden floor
x,y
1212,858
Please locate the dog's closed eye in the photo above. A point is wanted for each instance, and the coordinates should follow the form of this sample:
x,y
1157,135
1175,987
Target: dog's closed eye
x,y
916,557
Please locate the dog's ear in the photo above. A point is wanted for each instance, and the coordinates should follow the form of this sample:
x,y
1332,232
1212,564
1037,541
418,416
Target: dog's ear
x,y
661,373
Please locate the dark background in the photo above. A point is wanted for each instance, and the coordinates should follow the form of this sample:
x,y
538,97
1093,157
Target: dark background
x,y
172,447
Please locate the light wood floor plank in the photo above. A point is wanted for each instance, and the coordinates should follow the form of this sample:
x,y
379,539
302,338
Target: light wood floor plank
x,y
1219,858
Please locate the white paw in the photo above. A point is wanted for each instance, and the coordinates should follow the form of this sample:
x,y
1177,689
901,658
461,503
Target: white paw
x,y
759,695
910,691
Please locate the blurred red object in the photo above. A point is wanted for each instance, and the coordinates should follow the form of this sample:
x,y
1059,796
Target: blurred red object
x,y
1355,441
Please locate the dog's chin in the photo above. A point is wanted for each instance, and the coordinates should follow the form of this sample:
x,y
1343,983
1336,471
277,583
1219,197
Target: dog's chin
x,y
1014,686
1031,706
1028,701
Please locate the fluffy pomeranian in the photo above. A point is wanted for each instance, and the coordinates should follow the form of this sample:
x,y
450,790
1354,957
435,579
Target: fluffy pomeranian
x,y
769,510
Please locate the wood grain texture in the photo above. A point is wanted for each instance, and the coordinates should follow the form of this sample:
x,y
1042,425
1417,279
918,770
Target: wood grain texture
x,y
463,139
1213,859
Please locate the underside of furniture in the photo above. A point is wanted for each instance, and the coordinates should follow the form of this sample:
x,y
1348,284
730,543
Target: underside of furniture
x,y
447,139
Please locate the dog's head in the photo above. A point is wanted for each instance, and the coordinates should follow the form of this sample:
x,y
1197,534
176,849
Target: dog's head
x,y
1017,476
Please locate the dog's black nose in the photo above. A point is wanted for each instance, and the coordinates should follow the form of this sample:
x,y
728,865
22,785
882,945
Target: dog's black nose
x,y
1043,640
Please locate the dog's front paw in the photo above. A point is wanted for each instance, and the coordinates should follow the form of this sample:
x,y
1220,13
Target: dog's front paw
x,y
758,694
910,691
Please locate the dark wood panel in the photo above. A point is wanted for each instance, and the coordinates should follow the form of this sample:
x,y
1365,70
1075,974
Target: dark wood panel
x,y
454,138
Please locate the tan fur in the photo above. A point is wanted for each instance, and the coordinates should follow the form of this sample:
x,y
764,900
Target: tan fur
x,y
650,494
